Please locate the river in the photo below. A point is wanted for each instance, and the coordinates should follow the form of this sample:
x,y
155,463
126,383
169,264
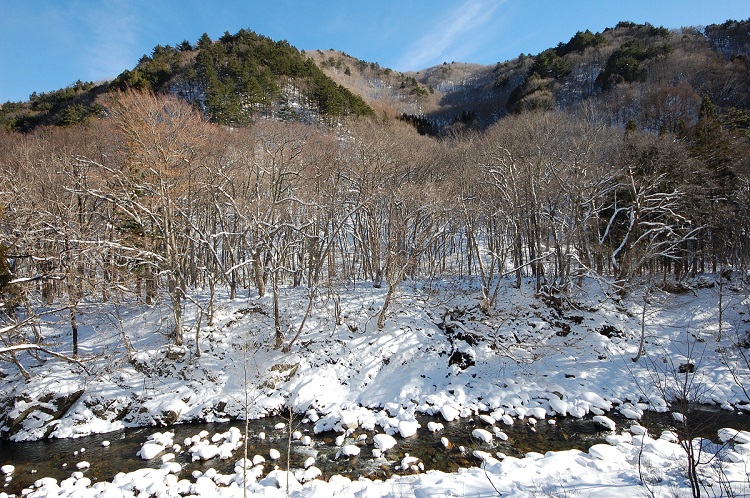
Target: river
x,y
57,458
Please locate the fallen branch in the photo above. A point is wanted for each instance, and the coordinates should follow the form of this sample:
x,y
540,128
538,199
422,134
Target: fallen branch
x,y
25,347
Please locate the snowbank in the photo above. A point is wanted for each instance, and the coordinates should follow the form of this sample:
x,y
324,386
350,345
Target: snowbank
x,y
529,363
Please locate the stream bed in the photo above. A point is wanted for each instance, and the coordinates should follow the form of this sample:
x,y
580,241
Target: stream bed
x,y
114,452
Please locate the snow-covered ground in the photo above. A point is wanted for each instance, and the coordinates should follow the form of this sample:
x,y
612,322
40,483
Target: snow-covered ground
x,y
438,354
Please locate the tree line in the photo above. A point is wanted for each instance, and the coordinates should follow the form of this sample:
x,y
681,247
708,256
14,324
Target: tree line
x,y
154,202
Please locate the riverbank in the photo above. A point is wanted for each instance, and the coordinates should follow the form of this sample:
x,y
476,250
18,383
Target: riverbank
x,y
438,354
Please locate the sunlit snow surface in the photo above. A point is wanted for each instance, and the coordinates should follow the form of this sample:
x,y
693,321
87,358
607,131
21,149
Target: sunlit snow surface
x,y
528,362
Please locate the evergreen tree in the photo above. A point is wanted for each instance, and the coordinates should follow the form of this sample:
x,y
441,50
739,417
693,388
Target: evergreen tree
x,y
204,42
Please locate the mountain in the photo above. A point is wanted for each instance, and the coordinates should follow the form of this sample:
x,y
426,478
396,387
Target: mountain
x,y
233,80
651,77
439,95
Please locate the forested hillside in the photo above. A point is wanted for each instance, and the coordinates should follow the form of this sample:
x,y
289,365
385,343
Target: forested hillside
x,y
651,76
232,81
645,180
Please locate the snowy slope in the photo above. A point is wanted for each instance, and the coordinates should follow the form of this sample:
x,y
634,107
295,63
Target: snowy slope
x,y
438,354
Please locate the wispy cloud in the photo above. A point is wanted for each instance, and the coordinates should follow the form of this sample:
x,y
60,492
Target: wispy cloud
x,y
453,35
114,46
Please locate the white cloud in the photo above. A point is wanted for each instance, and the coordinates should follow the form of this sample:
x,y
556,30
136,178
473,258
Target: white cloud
x,y
453,36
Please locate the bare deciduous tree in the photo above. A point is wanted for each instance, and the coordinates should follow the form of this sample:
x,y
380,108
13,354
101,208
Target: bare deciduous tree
x,y
151,183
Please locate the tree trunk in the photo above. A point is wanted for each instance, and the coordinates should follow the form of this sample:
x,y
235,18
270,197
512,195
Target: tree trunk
x,y
74,328
211,299
276,312
176,295
386,304
233,285
519,260
150,285
260,281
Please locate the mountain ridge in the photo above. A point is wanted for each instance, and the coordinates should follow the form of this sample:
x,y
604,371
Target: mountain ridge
x,y
667,66
624,71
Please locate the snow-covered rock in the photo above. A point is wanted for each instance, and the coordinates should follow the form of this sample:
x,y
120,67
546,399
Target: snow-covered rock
x,y
726,435
630,412
607,453
559,406
450,412
487,419
499,434
407,428
204,451
669,436
638,430
483,455
435,426
411,463
350,450
171,467
482,435
618,439
384,442
596,401
604,422
156,443
349,419
279,479
150,449
311,473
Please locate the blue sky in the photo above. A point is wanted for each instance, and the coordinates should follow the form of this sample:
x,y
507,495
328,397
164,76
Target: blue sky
x,y
49,44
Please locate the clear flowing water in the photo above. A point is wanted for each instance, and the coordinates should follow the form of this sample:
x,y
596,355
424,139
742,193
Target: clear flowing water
x,y
58,457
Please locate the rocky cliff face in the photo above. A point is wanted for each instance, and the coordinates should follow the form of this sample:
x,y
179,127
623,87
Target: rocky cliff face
x,y
624,72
